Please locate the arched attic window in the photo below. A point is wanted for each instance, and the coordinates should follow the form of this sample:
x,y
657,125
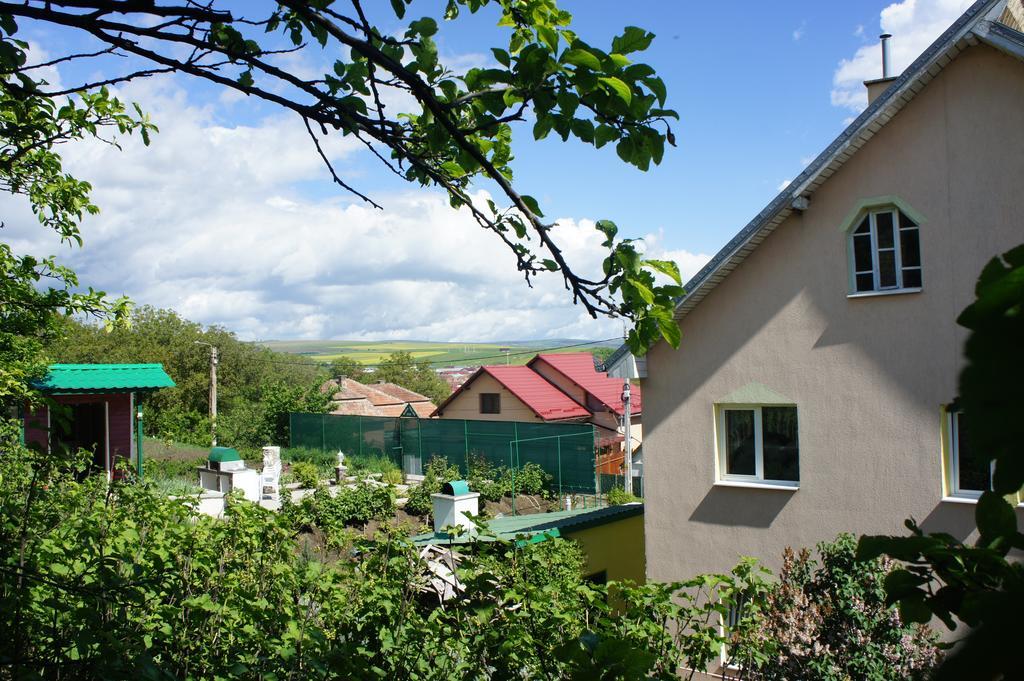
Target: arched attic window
x,y
884,246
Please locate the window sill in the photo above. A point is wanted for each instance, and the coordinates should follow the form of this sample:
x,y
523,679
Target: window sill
x,y
887,292
786,487
960,500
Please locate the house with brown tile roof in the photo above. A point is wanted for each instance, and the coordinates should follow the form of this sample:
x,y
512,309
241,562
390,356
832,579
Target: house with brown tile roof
x,y
353,398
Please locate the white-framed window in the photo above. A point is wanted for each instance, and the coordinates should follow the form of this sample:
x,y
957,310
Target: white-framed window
x,y
759,444
885,252
969,474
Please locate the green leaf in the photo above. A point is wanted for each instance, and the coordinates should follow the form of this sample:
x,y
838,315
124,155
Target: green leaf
x,y
453,169
995,517
633,39
618,87
549,37
581,57
604,134
399,8
583,129
501,56
551,265
671,332
666,267
609,229
531,203
542,127
657,86
425,27
245,80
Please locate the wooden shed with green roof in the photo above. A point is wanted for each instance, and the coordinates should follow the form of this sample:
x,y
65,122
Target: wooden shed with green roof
x,y
103,410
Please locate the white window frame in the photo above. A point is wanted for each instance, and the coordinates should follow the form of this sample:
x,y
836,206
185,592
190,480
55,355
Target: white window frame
x,y
758,479
897,248
954,460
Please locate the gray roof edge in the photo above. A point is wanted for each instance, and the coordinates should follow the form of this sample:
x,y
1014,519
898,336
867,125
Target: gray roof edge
x,y
614,358
1001,37
779,207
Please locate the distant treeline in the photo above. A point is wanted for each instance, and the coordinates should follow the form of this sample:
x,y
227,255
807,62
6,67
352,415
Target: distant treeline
x,y
257,387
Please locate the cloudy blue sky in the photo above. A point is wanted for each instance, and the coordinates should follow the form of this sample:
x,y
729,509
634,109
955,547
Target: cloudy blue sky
x,y
230,219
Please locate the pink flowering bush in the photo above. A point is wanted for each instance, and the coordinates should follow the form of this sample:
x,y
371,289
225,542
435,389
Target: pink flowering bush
x,y
827,619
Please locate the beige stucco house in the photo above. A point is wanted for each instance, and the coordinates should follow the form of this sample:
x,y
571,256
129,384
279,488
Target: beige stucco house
x,y
813,391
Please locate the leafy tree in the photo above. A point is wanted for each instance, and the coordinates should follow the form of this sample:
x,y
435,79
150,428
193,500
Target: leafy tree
x,y
34,288
400,367
977,585
257,387
459,128
347,367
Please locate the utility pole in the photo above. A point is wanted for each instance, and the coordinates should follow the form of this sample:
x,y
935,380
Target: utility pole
x,y
628,451
213,391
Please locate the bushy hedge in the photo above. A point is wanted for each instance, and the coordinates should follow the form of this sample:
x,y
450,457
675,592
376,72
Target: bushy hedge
x,y
495,482
348,506
116,581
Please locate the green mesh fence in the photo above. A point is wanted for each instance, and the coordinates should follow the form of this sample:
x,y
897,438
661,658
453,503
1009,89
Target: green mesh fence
x,y
607,481
564,451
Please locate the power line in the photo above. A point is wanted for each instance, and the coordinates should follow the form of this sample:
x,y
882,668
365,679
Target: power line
x,y
465,360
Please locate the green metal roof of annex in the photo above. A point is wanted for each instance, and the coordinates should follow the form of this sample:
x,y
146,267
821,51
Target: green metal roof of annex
x,y
553,524
92,378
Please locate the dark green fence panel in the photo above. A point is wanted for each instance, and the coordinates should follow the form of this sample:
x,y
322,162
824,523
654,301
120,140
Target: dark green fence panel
x,y
564,451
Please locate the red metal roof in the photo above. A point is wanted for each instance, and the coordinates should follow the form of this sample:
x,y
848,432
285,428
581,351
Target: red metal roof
x,y
547,401
578,367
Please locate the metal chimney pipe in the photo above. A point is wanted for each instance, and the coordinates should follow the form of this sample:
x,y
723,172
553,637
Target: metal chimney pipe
x,y
886,55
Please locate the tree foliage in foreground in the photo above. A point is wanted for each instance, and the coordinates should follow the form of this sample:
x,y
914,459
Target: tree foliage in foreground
x,y
457,130
123,582
120,581
34,289
978,585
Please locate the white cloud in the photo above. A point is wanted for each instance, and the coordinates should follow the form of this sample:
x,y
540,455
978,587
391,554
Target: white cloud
x,y
783,185
209,221
859,31
914,24
798,32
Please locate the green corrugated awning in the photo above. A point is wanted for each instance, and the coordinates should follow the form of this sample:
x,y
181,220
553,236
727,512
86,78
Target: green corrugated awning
x,y
93,378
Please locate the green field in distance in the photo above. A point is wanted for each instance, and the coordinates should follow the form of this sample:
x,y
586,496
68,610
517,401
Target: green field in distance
x,y
438,354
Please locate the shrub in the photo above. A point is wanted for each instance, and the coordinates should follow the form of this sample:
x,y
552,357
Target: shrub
x,y
618,496
486,478
306,474
530,479
349,506
438,472
830,620
393,476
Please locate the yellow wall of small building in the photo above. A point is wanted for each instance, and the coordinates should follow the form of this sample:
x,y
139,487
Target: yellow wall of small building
x,y
617,548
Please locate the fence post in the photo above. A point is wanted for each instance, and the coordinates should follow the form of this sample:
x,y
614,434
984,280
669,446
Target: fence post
x,y
512,471
559,441
465,443
360,436
323,433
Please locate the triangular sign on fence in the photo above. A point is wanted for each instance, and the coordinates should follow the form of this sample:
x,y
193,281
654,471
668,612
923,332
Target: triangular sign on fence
x,y
409,412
